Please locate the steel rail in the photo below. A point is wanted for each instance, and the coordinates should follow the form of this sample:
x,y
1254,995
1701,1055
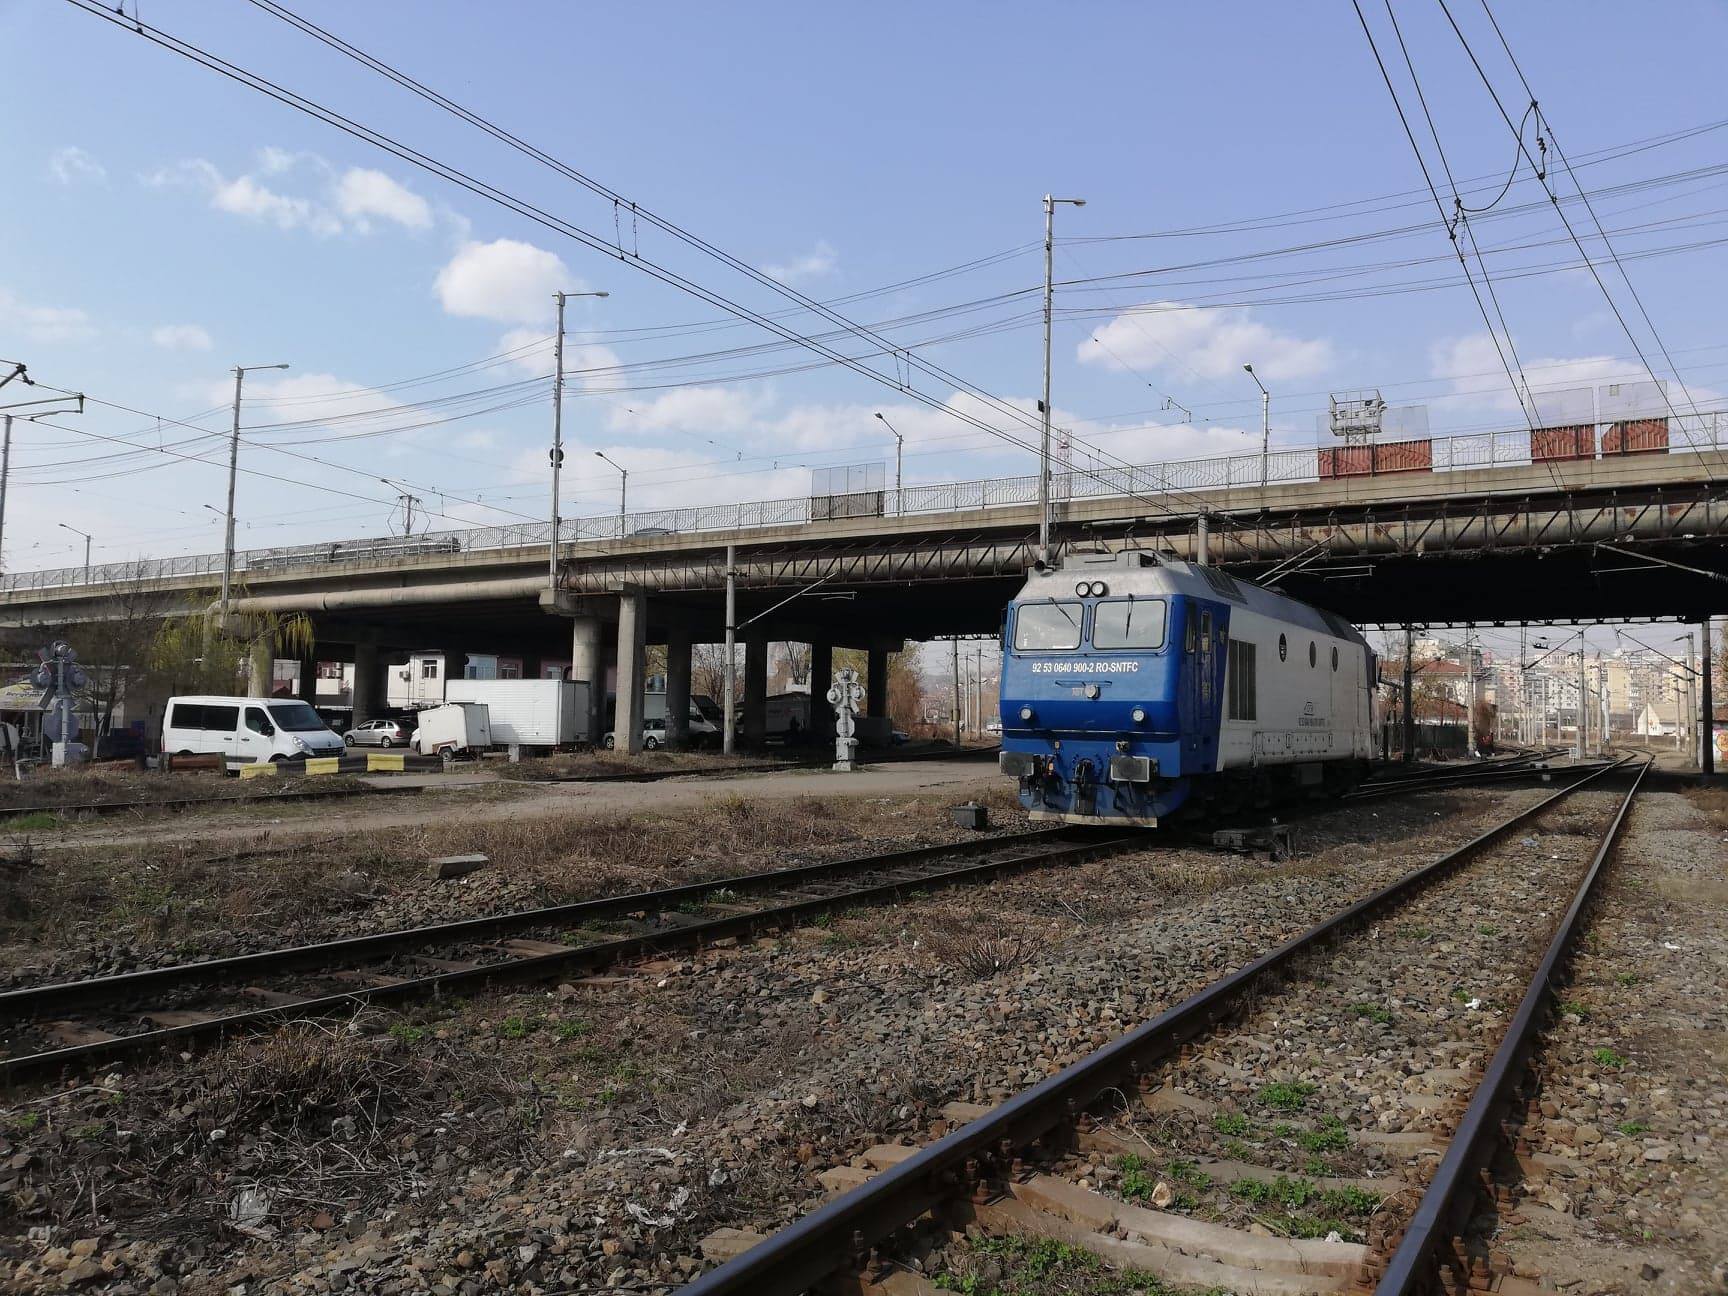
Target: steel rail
x,y
578,960
800,1255
1463,778
122,986
1410,1268
189,803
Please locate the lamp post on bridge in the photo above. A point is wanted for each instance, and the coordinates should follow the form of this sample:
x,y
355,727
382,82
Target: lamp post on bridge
x,y
1265,422
75,531
899,455
623,489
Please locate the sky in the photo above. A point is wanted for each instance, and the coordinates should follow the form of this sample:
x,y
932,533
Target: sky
x,y
1251,198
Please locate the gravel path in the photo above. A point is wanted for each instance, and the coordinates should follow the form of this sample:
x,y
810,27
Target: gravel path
x,y
1384,1034
1626,1185
711,1091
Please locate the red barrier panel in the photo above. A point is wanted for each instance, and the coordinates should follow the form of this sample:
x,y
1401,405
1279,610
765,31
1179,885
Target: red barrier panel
x,y
1575,442
1636,436
1375,458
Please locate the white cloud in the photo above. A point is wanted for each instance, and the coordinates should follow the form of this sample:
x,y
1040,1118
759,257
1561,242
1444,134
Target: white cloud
x,y
503,280
181,337
348,203
821,260
1210,343
72,165
362,192
696,410
43,323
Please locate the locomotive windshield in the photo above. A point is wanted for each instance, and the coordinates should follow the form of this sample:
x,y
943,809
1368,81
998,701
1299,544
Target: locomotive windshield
x,y
1052,626
1128,623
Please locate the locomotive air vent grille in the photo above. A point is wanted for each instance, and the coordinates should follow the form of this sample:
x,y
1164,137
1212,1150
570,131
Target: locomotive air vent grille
x,y
1223,583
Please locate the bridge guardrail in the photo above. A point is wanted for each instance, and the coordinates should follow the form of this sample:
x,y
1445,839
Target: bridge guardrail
x,y
1691,434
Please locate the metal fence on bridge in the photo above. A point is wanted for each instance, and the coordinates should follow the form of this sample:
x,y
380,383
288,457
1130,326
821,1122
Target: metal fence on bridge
x,y
1165,483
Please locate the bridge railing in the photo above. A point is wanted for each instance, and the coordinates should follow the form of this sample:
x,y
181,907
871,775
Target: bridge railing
x,y
1163,485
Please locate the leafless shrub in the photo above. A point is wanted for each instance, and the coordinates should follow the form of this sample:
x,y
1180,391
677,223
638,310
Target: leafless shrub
x,y
983,949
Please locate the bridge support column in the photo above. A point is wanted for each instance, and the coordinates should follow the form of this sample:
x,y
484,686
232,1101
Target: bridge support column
x,y
306,687
755,688
678,686
261,676
821,676
586,665
632,637
368,682
876,685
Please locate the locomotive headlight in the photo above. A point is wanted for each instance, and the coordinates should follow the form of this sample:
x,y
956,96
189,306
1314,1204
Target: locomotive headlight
x,y
1082,589
1026,713
1092,692
1099,589
1139,715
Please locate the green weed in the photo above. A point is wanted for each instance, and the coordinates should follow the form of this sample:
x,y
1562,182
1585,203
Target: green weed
x,y
1287,1095
1332,1136
407,1032
1633,1128
1374,1013
1232,1123
1609,1058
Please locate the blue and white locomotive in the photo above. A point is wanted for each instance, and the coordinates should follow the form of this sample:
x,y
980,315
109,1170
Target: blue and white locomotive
x,y
1133,685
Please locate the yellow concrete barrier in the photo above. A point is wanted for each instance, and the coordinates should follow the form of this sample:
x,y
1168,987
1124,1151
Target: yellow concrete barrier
x,y
267,770
323,765
385,762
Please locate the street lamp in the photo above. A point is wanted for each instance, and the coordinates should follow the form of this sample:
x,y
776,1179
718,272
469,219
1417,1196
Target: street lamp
x,y
240,372
899,455
75,531
557,452
1265,421
1044,438
6,437
623,488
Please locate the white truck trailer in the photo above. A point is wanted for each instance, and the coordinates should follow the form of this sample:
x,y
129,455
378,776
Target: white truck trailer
x,y
454,728
529,713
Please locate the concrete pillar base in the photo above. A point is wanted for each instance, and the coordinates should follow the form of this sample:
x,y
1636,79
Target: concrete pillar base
x,y
755,690
876,683
586,665
821,676
632,636
368,682
678,687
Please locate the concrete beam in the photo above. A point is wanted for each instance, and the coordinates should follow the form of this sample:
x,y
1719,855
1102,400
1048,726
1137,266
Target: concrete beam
x,y
821,677
369,692
876,683
587,664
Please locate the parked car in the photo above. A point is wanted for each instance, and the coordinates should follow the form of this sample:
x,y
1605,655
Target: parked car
x,y
456,728
653,736
255,729
380,733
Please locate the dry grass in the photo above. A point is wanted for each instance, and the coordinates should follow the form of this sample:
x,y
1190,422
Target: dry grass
x,y
257,1135
1710,802
59,787
98,908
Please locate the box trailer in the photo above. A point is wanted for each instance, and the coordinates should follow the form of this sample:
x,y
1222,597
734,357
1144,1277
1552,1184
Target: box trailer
x,y
529,713
454,728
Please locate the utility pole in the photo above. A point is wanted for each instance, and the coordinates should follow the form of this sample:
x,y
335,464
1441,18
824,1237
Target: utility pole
x,y
5,471
1470,734
728,734
1583,737
1706,709
956,647
1409,754
557,453
1687,704
240,372
1044,438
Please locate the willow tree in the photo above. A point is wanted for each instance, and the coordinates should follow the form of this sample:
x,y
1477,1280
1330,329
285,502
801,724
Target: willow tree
x,y
197,652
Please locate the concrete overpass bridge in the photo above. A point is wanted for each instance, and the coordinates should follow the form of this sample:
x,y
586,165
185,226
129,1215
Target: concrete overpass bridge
x,y
1478,530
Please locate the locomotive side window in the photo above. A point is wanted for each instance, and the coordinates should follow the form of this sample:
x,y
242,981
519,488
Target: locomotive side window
x,y
1206,632
1189,636
1047,627
1283,648
1128,623
1334,658
1239,681
1313,655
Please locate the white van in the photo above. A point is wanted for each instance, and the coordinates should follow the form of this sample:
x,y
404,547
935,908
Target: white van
x,y
253,729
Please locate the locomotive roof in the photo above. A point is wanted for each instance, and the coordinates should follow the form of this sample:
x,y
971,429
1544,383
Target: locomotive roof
x,y
1139,572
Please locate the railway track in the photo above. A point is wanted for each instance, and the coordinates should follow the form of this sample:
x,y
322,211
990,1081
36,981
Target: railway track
x,y
985,1172
49,1029
176,804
